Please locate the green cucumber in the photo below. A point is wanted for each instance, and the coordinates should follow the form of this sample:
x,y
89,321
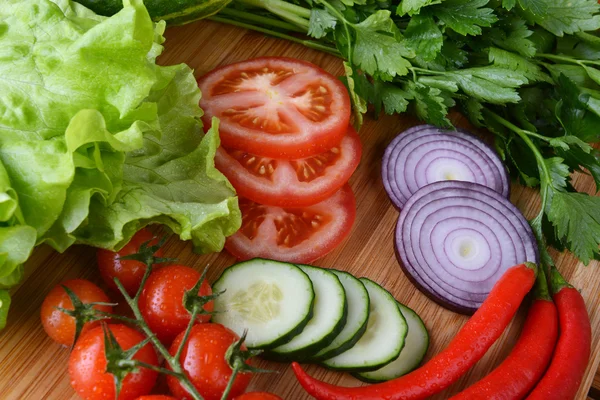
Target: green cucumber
x,y
383,340
273,300
329,318
174,12
415,348
358,316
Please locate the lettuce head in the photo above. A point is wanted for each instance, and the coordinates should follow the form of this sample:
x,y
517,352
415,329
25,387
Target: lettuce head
x,y
96,139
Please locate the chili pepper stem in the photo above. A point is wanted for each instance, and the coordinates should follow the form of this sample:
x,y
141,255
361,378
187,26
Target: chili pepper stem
x,y
557,282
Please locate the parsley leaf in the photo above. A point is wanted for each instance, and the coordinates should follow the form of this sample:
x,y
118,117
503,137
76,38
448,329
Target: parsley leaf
x,y
573,113
413,7
358,103
512,33
464,16
430,104
320,23
562,16
424,37
395,100
531,71
377,50
491,84
576,217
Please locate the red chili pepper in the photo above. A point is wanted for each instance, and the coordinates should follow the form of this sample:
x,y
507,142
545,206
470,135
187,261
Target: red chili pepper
x,y
528,360
469,345
562,379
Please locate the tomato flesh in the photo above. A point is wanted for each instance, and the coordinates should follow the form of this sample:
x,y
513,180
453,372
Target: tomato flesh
x,y
291,183
276,107
299,235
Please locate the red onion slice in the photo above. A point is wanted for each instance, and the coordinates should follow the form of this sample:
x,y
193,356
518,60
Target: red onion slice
x,y
455,239
425,154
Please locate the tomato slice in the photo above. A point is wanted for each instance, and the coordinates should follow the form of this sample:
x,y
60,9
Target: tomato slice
x,y
299,235
291,183
276,107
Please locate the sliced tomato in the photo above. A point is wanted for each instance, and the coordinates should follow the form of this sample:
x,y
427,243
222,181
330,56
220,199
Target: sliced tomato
x,y
299,235
276,107
295,183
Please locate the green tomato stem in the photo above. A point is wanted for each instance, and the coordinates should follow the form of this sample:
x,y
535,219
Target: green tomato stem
x,y
234,372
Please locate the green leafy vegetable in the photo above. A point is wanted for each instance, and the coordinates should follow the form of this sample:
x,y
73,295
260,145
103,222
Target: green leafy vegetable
x,y
96,140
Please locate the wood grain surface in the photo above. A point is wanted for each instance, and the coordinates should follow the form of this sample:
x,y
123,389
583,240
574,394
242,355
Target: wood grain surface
x,y
32,367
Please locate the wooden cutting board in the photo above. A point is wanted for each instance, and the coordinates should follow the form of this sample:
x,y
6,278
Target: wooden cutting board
x,y
32,367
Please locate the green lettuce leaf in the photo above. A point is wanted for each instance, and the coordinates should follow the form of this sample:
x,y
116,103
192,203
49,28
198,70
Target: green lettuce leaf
x,y
96,139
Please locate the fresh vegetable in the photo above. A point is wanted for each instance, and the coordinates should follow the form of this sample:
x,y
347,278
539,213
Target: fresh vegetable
x,y
122,365
469,345
271,299
425,154
129,272
527,70
572,353
88,365
528,360
384,338
356,321
294,183
276,107
156,397
205,363
329,316
299,235
164,300
91,157
173,12
413,352
61,326
456,239
258,396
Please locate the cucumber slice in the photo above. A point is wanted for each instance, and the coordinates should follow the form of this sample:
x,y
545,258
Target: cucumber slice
x,y
415,347
384,338
329,317
272,299
358,316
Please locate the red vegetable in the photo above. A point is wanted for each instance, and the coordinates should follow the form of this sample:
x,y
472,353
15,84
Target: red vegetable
x,y
156,397
87,365
60,326
129,272
525,365
291,183
469,345
572,353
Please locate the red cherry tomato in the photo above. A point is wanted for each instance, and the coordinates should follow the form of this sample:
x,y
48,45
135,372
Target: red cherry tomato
x,y
87,366
60,326
156,397
204,362
129,272
294,183
161,302
299,235
258,396
276,107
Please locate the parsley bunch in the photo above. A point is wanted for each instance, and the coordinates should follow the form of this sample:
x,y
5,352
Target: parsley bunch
x,y
527,70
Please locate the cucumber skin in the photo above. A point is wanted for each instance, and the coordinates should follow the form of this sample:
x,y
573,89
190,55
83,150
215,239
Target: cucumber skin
x,y
308,351
368,380
373,367
174,12
293,332
346,346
